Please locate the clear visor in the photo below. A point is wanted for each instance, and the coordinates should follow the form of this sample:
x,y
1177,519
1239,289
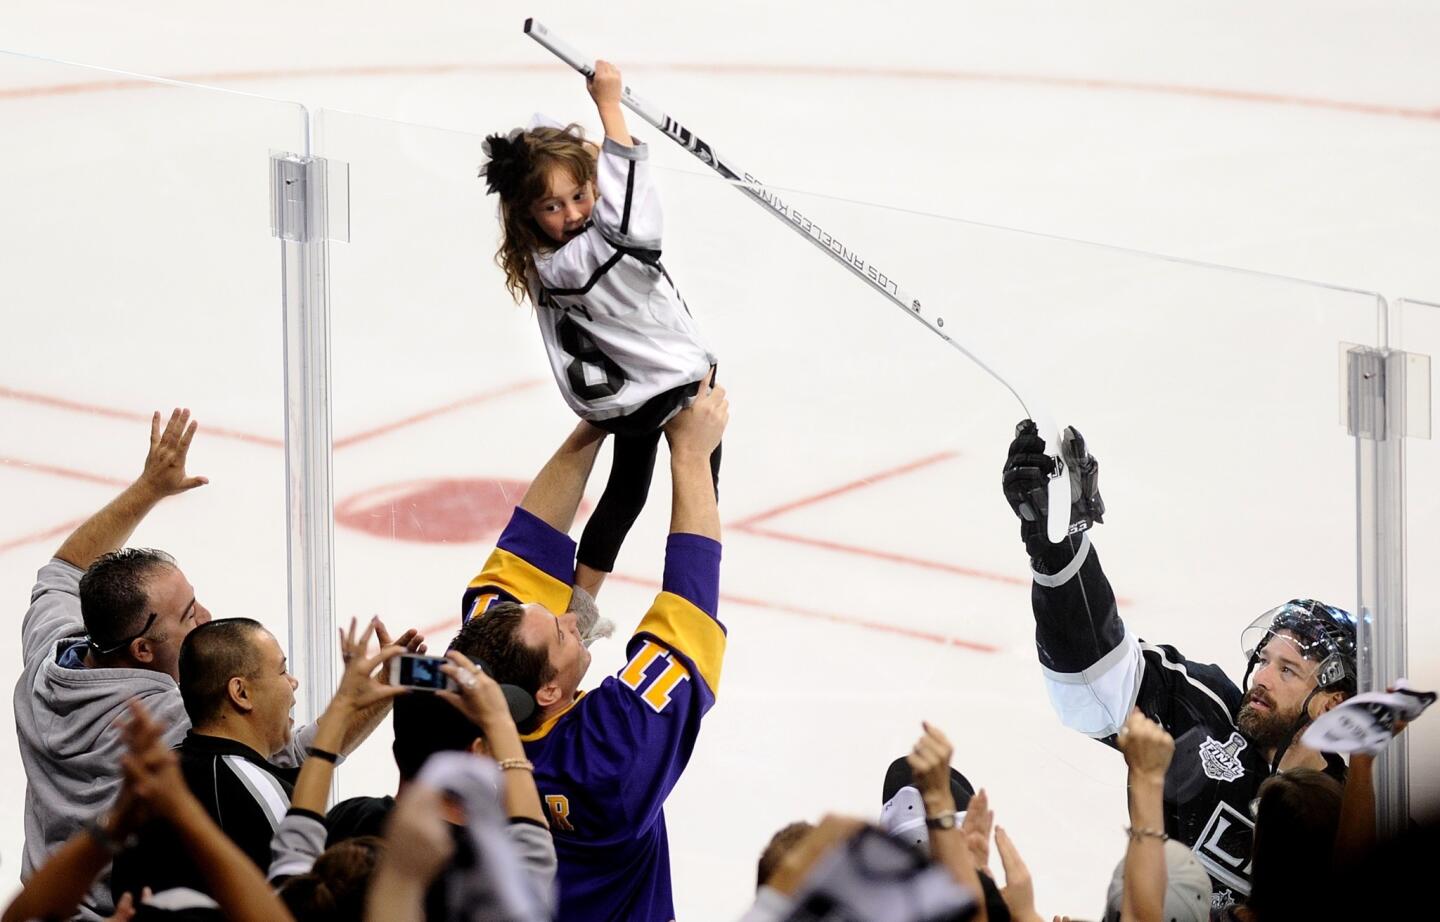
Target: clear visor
x,y
1288,654
1296,633
1297,625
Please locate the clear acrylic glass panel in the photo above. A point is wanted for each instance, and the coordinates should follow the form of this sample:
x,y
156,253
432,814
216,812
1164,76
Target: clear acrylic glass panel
x,y
138,274
1415,328
873,573
441,404
1207,395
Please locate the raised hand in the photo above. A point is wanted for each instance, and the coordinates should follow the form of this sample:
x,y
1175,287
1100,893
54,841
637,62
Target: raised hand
x,y
929,762
1147,747
795,867
700,426
412,640
360,687
164,471
153,783
128,906
1019,889
124,910
606,86
1026,476
479,697
979,820
1026,481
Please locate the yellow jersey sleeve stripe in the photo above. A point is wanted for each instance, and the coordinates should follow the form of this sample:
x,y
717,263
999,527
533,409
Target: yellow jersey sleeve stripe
x,y
516,577
682,627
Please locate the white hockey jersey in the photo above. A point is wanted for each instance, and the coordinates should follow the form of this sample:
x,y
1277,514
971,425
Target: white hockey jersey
x,y
616,330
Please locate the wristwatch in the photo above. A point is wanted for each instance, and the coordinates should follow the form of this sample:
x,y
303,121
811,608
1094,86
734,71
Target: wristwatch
x,y
943,821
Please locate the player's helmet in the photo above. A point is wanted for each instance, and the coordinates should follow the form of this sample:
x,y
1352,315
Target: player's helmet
x,y
1320,633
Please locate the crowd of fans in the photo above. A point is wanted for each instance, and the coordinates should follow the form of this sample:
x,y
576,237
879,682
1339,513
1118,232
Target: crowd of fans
x,y
165,778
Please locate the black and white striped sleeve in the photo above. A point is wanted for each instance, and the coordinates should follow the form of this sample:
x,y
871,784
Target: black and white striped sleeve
x,y
1096,670
1091,662
1182,694
628,210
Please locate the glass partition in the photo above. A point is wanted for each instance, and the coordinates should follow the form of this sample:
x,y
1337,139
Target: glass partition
x,y
873,572
138,274
1415,328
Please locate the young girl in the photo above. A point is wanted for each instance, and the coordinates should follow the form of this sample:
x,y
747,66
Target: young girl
x,y
581,239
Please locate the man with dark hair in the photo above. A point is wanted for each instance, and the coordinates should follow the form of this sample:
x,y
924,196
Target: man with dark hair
x,y
606,760
502,635
105,626
1301,663
115,603
780,845
209,659
240,757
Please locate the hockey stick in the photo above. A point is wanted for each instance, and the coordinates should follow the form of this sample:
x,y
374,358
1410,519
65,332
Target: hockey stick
x,y
1058,522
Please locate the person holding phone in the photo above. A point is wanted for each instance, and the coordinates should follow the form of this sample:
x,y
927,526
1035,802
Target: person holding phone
x,y
468,713
457,707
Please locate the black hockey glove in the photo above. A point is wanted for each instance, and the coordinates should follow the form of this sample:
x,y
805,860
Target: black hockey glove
x,y
1026,479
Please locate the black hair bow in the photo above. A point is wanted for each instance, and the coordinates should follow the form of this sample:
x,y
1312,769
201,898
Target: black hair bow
x,y
507,163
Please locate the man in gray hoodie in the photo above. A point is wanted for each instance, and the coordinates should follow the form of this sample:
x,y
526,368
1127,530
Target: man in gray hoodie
x,y
104,626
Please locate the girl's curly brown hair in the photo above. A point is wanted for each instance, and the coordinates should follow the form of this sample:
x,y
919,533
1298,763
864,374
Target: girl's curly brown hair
x,y
518,169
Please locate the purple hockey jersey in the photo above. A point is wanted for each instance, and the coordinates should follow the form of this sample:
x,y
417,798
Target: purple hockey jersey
x,y
605,764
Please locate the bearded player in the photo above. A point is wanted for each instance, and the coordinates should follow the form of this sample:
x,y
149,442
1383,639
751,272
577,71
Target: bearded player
x,y
1228,738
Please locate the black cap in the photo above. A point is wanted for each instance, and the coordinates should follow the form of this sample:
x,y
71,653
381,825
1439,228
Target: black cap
x,y
899,776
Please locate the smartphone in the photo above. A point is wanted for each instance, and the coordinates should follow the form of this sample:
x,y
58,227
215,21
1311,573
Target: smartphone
x,y
422,673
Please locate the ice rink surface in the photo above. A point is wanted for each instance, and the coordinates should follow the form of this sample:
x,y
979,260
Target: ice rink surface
x,y
873,575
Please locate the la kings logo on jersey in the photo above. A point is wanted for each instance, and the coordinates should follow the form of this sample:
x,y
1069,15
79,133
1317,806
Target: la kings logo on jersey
x,y
1223,849
1221,761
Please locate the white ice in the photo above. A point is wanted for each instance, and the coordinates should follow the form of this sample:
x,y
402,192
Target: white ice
x,y
873,576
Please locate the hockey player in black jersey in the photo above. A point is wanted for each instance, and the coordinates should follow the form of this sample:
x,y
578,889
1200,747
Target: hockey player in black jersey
x,y
1228,738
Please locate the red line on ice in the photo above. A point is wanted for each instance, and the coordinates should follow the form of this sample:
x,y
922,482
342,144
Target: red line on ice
x,y
746,523
912,633
40,468
889,556
355,438
209,430
64,528
77,406
269,441
758,69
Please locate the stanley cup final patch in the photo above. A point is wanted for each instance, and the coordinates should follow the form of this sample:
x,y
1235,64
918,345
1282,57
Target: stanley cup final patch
x,y
1221,761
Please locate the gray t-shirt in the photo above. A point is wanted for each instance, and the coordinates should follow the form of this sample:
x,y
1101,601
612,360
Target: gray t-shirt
x,y
68,721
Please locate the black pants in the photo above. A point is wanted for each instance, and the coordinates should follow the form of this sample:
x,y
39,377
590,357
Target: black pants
x,y
632,466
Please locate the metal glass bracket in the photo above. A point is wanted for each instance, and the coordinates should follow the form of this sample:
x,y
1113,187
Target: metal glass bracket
x,y
300,214
1385,398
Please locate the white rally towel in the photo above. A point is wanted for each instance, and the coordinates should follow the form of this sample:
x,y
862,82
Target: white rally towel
x,y
1366,722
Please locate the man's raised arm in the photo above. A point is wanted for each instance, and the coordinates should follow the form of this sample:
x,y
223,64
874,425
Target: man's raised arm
x,y
163,475
534,560
693,435
554,495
